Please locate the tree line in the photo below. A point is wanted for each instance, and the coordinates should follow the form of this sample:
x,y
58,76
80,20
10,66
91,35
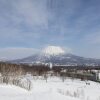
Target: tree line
x,y
14,73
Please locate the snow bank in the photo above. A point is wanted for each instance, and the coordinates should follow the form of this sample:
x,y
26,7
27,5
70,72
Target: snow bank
x,y
53,89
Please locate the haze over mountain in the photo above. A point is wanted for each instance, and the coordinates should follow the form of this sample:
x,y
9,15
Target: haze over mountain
x,y
57,56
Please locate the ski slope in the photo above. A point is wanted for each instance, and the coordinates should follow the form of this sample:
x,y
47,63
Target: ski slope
x,y
53,89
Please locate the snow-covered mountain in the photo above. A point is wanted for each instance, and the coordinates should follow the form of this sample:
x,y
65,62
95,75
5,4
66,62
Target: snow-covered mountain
x,y
58,56
53,50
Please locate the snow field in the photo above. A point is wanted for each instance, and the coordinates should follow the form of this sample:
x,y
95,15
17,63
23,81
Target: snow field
x,y
53,89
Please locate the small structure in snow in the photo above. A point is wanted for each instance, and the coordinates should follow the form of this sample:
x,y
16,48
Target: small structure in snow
x,y
50,65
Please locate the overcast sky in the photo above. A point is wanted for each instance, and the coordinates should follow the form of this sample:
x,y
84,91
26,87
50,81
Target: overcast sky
x,y
29,25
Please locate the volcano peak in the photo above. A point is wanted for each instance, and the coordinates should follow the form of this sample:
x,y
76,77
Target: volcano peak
x,y
53,50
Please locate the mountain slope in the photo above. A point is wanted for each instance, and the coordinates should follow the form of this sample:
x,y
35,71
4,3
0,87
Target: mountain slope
x,y
67,59
58,56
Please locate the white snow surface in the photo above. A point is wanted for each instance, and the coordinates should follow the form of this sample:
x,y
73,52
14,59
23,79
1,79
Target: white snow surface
x,y
53,50
53,89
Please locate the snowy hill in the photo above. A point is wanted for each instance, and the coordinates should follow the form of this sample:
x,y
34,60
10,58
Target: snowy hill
x,y
53,50
57,56
54,89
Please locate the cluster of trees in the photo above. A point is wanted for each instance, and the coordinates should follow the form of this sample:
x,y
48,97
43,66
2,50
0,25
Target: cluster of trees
x,y
14,73
35,70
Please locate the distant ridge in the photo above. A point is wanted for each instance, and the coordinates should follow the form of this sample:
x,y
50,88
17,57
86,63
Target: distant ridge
x,y
57,56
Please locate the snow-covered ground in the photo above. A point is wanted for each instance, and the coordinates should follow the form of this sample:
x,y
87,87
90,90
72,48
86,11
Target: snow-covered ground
x,y
53,89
